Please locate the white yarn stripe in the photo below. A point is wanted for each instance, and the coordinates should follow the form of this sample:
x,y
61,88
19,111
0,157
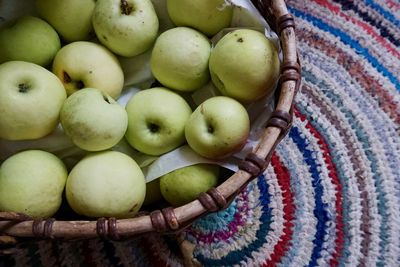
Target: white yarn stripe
x,y
353,199
370,70
365,39
245,235
375,218
373,253
361,98
378,16
328,197
390,6
277,221
312,53
388,181
305,221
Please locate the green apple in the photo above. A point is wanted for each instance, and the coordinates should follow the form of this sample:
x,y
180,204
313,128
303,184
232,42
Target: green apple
x,y
218,127
30,100
244,65
207,16
106,184
72,19
93,120
179,59
153,192
185,184
29,39
85,64
32,182
156,121
126,27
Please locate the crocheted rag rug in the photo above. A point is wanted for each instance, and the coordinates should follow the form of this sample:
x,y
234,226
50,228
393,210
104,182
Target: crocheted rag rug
x,y
331,195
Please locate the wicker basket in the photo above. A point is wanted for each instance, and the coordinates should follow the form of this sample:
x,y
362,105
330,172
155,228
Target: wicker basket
x,y
14,226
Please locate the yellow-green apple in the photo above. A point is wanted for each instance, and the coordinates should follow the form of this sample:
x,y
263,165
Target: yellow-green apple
x,y
93,120
85,64
185,184
30,100
179,59
72,19
106,184
156,121
207,16
29,39
218,127
32,182
126,27
244,65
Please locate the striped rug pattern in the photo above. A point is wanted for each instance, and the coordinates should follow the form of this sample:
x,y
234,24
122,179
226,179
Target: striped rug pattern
x,y
331,195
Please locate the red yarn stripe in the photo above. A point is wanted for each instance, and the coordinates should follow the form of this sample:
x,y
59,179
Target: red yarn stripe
x,y
366,81
363,25
339,241
394,5
283,244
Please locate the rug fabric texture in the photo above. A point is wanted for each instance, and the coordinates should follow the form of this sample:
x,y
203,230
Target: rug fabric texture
x,y
331,195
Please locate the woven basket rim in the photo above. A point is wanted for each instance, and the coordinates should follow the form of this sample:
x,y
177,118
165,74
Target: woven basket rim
x,y
176,219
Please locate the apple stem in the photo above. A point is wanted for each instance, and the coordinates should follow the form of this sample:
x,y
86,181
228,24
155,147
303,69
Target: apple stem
x,y
126,9
106,99
67,78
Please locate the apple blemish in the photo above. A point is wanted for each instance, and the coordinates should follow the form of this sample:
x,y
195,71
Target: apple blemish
x,y
126,9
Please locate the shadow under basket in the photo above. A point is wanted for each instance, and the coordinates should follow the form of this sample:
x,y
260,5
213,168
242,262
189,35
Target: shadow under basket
x,y
15,227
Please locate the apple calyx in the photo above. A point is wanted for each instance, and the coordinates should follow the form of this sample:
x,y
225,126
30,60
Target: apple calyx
x,y
67,79
23,87
126,9
154,128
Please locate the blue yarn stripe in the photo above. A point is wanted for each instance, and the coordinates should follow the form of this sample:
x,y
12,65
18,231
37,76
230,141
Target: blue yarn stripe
x,y
373,21
299,195
218,221
336,159
234,257
363,138
345,38
387,15
319,210
375,119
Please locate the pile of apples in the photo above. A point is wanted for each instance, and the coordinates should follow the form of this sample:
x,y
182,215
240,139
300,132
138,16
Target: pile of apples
x,y
63,67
